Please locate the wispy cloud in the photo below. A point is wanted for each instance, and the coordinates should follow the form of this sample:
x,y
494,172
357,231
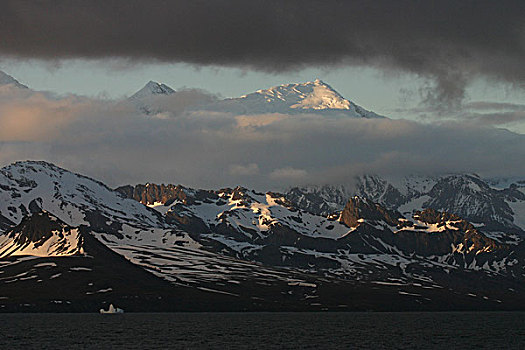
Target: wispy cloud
x,y
494,106
289,174
244,170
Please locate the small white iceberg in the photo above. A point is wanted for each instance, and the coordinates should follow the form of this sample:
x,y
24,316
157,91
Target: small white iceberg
x,y
112,310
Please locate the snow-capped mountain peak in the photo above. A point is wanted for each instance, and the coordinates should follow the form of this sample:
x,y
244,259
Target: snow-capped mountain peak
x,y
310,97
153,88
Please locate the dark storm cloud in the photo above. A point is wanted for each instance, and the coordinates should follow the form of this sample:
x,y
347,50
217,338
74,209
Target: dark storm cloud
x,y
448,41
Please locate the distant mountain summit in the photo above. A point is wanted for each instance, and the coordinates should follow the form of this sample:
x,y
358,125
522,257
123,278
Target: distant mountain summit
x,y
152,88
310,97
315,97
145,98
6,79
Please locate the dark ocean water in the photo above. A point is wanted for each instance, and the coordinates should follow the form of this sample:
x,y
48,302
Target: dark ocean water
x,y
450,330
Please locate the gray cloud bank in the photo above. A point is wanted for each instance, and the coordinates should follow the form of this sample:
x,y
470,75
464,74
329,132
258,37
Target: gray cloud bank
x,y
495,113
448,41
482,113
111,141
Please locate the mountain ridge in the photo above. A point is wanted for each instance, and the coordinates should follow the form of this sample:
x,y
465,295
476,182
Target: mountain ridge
x,y
243,249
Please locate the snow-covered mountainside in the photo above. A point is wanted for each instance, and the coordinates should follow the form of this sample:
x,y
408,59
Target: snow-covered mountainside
x,y
500,212
41,234
310,97
365,240
239,249
253,215
32,186
48,215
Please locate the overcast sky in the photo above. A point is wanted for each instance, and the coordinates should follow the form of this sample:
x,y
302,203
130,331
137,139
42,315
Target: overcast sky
x,y
453,69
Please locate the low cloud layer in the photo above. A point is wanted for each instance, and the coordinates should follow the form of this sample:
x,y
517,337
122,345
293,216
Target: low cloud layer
x,y
510,116
448,41
113,142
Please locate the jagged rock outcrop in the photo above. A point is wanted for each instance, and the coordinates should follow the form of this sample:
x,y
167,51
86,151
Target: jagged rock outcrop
x,y
358,209
152,193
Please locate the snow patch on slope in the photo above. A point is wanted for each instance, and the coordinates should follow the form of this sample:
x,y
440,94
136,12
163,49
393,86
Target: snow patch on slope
x,y
64,243
261,212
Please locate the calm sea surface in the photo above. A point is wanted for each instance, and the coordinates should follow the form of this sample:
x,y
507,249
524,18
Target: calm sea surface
x,y
451,330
